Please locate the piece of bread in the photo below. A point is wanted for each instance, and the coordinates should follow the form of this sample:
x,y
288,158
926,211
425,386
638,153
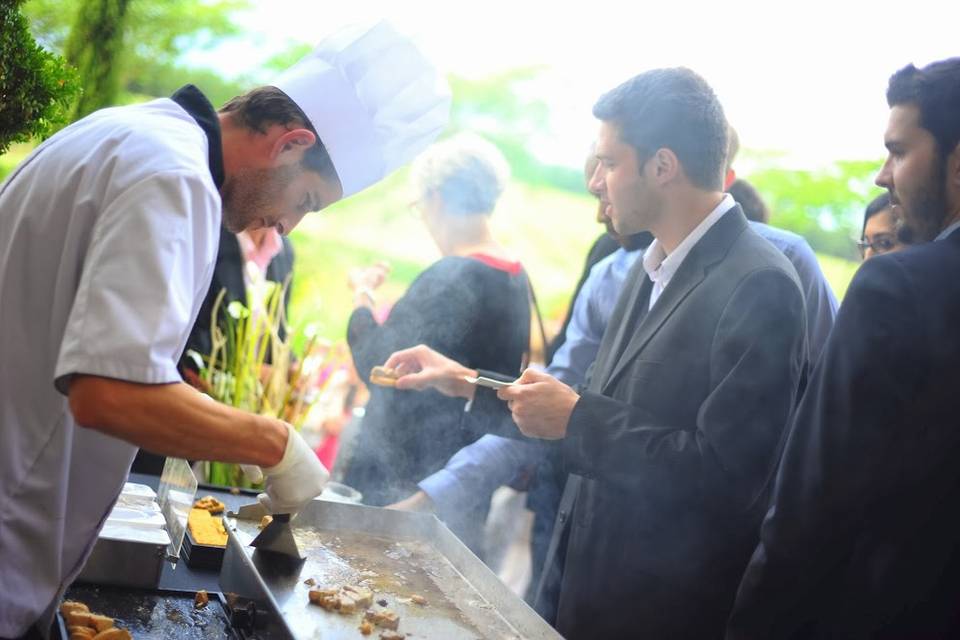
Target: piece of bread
x,y
73,605
384,377
81,633
100,623
78,619
113,634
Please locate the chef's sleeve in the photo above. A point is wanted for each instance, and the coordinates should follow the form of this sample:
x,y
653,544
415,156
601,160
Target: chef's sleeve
x,y
149,263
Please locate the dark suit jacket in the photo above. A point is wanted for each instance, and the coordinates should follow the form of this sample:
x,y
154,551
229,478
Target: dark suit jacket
x,y
862,539
675,438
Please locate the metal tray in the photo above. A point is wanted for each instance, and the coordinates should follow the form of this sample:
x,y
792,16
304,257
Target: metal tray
x,y
394,553
157,614
124,563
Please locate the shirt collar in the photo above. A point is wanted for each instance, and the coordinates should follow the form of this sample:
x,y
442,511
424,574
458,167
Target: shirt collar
x,y
946,232
196,104
660,266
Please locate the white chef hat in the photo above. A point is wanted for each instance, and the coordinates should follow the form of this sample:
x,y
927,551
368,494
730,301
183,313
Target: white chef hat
x,y
373,98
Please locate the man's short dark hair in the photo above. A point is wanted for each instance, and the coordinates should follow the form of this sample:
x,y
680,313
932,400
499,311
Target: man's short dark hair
x,y
258,109
878,204
750,200
674,109
935,90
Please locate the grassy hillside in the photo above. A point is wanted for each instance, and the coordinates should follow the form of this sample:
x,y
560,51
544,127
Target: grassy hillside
x,y
549,230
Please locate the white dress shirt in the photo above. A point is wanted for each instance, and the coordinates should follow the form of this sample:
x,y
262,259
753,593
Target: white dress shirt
x,y
660,267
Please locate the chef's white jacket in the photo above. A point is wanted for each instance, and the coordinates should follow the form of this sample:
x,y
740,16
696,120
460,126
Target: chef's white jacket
x,y
108,235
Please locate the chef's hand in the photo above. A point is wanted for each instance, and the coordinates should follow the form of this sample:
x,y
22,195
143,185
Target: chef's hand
x,y
540,404
296,480
421,367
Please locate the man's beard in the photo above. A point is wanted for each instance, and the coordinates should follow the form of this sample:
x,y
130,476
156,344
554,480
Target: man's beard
x,y
250,194
924,216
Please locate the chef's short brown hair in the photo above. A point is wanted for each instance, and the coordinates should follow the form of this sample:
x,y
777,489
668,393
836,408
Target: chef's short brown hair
x,y
264,106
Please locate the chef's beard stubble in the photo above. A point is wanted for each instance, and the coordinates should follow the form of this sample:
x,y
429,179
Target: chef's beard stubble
x,y
253,194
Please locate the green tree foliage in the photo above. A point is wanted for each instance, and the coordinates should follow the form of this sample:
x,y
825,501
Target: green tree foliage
x,y
825,206
94,47
503,108
36,87
155,38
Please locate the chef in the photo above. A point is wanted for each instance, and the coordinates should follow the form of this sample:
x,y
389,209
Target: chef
x,y
108,235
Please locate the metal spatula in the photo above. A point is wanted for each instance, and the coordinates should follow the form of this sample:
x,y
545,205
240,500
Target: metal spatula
x,y
276,537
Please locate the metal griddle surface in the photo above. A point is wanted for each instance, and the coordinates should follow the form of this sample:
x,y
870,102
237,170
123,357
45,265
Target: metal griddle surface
x,y
401,555
156,614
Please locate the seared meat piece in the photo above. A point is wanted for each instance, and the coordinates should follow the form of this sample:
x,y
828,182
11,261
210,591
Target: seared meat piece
x,y
386,619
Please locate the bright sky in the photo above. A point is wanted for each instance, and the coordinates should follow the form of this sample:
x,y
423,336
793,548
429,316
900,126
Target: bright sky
x,y
805,78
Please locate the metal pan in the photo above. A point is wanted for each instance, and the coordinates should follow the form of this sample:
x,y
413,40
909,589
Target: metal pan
x,y
397,555
155,613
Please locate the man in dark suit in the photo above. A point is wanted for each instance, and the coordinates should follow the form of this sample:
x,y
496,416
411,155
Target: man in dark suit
x,y
698,370
862,538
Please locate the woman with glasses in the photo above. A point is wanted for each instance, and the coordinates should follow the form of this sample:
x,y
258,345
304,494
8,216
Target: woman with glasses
x,y
879,229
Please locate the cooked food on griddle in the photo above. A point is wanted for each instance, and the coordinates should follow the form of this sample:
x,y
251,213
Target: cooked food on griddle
x,y
418,599
81,633
265,521
211,504
366,628
362,595
326,598
392,635
82,624
113,634
386,619
384,376
100,623
69,606
346,599
201,599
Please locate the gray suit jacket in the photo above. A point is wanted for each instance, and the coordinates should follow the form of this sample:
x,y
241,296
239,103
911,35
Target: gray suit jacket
x,y
675,439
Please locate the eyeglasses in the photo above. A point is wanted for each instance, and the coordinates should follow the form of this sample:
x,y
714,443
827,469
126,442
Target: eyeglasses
x,y
881,243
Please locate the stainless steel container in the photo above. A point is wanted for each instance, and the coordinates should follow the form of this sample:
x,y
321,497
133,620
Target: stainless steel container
x,y
133,559
396,554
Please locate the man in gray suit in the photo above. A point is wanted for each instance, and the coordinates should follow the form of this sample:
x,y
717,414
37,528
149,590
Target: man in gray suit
x,y
676,431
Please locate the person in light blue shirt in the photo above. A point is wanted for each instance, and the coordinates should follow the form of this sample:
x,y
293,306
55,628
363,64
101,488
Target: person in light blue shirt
x,y
474,472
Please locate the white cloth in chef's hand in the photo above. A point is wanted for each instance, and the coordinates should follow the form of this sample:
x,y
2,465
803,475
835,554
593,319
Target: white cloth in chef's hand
x,y
299,478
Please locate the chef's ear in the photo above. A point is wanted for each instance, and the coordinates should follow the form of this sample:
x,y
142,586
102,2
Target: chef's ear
x,y
290,146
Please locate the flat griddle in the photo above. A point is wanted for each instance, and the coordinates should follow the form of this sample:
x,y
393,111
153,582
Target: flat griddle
x,y
396,555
